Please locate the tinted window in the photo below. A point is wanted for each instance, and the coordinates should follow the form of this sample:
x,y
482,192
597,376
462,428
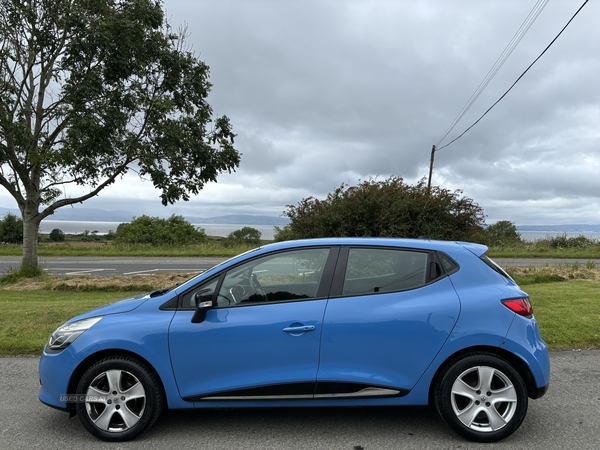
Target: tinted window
x,y
371,270
291,275
449,265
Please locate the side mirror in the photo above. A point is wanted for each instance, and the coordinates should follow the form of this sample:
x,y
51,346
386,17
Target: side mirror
x,y
204,301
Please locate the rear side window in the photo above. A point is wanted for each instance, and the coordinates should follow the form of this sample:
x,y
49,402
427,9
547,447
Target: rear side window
x,y
373,270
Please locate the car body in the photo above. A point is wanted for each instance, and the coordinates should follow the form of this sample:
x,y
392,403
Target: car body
x,y
319,322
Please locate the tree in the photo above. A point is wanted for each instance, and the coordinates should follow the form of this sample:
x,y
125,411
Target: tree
x,y
57,235
245,235
388,208
90,90
500,233
11,229
156,231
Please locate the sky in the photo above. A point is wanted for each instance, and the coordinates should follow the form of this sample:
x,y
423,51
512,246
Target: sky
x,y
327,92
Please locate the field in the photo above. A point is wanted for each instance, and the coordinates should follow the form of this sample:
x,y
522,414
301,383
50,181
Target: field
x,y
562,247
566,303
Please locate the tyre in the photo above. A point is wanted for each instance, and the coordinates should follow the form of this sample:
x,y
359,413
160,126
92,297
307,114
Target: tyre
x,y
482,397
120,397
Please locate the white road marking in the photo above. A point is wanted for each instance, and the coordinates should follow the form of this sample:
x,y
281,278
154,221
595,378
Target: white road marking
x,y
140,272
83,272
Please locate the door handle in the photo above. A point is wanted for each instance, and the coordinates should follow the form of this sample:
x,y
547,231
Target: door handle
x,y
299,329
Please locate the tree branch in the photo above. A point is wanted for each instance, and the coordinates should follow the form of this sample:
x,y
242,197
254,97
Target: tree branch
x,y
70,201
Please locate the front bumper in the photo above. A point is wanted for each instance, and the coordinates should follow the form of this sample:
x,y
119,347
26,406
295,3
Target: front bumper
x,y
55,371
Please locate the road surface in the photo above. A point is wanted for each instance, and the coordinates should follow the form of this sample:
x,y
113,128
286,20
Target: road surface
x,y
567,417
107,266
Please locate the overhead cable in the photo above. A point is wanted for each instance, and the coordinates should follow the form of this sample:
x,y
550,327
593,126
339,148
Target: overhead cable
x,y
518,79
533,15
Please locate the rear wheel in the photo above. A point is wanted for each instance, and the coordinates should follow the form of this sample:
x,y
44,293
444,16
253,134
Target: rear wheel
x,y
482,397
120,398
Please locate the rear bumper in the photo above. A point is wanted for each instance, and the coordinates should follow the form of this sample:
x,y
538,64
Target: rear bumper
x,y
524,341
536,392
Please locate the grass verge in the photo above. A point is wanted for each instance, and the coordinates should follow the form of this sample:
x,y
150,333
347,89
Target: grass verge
x,y
212,248
568,312
29,317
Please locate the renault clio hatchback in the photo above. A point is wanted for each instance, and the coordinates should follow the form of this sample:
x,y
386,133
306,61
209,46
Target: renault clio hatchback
x,y
323,322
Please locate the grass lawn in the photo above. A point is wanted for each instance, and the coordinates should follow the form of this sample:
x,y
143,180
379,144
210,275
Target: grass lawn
x,y
29,317
568,312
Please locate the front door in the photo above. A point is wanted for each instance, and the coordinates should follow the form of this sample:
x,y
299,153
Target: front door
x,y
262,340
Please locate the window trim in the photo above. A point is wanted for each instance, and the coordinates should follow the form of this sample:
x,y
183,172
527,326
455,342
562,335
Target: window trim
x,y
322,290
337,284
495,266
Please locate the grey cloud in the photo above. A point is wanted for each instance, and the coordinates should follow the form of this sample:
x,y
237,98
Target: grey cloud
x,y
325,92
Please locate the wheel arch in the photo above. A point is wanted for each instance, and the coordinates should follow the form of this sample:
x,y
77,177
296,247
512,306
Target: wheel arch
x,y
98,356
517,363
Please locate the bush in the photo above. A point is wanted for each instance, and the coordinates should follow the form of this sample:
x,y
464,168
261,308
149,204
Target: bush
x,y
388,208
243,236
11,229
562,241
156,231
57,235
500,234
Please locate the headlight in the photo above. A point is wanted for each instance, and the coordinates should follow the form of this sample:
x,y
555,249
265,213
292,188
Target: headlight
x,y
66,334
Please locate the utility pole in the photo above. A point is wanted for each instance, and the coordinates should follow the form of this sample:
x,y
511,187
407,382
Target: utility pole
x,y
431,167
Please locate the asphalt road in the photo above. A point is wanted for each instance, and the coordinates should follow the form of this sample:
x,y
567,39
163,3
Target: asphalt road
x,y
107,266
568,417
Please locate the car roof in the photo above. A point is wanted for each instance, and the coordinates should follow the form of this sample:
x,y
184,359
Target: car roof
x,y
422,243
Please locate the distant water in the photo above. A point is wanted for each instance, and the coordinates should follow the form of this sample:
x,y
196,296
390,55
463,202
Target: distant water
x,y
71,227
268,231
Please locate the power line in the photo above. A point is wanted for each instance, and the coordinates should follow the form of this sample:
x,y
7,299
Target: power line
x,y
517,80
533,15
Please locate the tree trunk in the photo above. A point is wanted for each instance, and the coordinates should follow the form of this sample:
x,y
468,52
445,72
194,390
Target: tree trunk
x,y
31,227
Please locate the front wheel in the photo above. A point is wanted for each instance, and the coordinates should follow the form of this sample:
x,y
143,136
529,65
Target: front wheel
x,y
482,397
120,397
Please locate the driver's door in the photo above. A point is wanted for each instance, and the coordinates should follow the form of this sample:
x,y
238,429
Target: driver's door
x,y
262,340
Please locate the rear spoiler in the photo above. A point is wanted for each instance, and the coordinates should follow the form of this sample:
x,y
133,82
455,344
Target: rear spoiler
x,y
477,249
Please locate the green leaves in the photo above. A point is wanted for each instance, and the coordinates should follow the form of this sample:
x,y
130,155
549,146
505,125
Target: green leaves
x,y
128,95
243,236
500,234
389,208
90,89
156,231
11,229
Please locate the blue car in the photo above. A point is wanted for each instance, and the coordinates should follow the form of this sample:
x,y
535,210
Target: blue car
x,y
320,322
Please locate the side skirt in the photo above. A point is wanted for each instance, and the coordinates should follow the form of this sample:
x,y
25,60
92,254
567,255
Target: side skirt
x,y
303,391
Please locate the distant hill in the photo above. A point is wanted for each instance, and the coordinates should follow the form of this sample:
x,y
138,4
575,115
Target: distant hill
x,y
241,219
568,228
100,215
81,215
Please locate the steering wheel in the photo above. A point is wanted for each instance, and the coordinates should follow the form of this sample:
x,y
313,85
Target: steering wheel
x,y
247,288
257,288
237,293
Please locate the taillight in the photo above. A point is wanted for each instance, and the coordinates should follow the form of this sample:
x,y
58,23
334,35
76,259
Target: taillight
x,y
521,306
